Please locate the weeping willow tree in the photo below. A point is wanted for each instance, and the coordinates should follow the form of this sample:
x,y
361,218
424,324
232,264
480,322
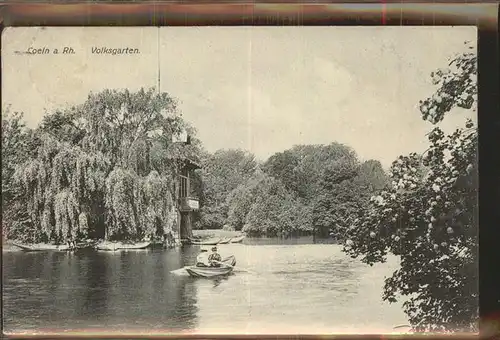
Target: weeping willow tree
x,y
156,204
60,188
104,169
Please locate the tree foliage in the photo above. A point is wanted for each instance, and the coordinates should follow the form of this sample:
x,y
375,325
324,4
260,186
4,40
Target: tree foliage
x,y
221,173
329,180
16,149
242,198
306,189
105,168
344,192
429,218
301,167
262,206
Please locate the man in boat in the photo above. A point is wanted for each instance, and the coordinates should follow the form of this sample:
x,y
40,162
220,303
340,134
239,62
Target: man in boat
x,y
214,258
202,259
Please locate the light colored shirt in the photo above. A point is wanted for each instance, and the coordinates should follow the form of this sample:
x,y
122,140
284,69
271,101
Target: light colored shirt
x,y
203,258
215,257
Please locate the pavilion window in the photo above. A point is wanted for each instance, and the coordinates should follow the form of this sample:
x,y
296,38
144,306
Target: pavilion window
x,y
184,186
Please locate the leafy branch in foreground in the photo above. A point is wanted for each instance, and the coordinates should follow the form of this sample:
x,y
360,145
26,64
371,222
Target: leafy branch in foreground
x,y
428,217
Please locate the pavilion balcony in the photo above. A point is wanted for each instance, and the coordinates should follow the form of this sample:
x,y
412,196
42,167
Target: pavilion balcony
x,y
188,204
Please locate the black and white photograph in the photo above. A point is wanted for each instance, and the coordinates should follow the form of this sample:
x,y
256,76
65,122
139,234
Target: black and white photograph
x,y
239,180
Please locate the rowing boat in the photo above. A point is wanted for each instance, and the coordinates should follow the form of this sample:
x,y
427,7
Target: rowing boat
x,y
211,242
225,240
208,272
237,239
42,247
112,246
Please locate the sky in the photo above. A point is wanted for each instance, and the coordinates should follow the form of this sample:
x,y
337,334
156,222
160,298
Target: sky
x,y
262,89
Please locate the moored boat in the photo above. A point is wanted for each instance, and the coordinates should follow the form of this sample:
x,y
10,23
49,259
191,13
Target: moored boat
x,y
42,247
112,246
208,272
84,245
237,239
210,242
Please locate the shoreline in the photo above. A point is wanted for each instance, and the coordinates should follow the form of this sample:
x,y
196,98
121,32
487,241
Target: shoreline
x,y
201,234
211,233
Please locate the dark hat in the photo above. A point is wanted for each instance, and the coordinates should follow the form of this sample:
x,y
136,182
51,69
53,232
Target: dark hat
x,y
214,248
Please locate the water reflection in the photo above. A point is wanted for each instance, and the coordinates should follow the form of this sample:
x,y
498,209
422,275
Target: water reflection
x,y
272,286
131,289
94,284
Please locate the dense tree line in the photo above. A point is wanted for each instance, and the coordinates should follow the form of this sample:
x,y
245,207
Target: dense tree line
x,y
308,189
221,173
107,169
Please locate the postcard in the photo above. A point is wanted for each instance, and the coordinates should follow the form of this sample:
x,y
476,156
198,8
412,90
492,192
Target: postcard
x,y
239,180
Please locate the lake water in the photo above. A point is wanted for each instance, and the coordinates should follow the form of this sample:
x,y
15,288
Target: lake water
x,y
278,288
